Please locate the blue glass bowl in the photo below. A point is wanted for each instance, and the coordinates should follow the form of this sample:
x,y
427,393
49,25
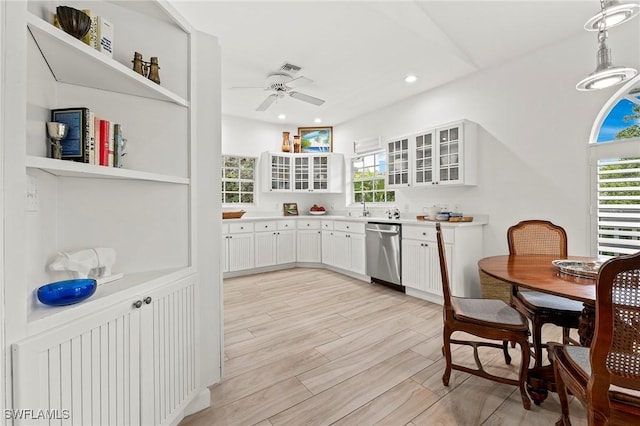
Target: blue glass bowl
x,y
67,292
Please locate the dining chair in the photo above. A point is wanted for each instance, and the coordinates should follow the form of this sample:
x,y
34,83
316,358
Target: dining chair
x,y
530,237
606,376
490,319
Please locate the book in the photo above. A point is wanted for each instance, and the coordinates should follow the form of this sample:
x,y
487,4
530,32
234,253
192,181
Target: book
x,y
75,143
96,137
118,146
105,36
110,160
104,142
91,158
91,38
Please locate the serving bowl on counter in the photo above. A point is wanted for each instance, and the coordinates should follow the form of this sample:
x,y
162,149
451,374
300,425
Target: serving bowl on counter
x,y
317,213
68,292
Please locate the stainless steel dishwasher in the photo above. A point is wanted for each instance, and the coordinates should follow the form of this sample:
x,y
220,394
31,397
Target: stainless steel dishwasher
x,y
383,253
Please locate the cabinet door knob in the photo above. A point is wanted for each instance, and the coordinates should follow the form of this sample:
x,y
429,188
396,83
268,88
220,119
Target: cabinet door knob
x,y
424,233
147,300
137,304
266,226
242,227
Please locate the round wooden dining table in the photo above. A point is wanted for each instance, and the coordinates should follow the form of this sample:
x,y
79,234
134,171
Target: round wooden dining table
x,y
536,272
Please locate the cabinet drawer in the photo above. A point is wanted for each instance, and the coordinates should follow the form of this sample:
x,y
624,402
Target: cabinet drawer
x,y
356,227
327,225
266,225
427,233
239,228
308,224
286,224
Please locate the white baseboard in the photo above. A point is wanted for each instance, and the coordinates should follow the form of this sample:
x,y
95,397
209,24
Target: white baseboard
x,y
199,403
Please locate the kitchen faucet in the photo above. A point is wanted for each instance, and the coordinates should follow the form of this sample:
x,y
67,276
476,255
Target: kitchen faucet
x,y
365,212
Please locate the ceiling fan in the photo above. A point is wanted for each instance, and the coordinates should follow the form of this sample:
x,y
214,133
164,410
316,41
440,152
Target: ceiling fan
x,y
281,84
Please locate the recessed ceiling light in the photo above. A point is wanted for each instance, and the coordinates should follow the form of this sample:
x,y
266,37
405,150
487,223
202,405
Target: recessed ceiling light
x,y
410,78
282,116
317,120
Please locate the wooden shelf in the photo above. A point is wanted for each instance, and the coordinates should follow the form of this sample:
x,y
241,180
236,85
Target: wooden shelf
x,y
71,61
75,169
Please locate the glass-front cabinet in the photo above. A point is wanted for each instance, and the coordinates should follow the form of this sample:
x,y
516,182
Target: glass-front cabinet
x,y
445,155
398,174
280,172
303,172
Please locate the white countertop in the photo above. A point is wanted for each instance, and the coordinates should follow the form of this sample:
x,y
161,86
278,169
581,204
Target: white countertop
x,y
477,220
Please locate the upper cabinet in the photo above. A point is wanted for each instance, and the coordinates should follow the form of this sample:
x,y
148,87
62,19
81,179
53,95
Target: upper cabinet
x,y
303,172
398,162
444,155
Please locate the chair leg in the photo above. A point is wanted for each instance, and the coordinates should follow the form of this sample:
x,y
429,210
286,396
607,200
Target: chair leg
x,y
524,370
561,389
565,336
446,334
505,349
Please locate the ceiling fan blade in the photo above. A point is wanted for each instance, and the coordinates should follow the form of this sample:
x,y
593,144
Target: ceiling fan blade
x,y
306,98
267,102
299,81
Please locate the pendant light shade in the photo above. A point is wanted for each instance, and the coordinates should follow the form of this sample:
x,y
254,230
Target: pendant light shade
x,y
605,75
614,13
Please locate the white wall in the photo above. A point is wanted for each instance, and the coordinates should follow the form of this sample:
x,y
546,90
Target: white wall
x,y
533,133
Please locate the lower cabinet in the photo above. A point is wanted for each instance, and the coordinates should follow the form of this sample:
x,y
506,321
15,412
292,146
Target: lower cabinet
x,y
349,246
421,264
275,243
133,363
309,241
238,248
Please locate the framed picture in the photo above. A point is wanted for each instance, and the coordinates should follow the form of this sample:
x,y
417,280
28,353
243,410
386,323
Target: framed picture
x,y
290,209
316,139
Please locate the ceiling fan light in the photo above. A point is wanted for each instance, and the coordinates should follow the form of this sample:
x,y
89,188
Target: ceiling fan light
x,y
615,13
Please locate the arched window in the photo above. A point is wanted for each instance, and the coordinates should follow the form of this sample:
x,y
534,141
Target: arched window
x,y
615,174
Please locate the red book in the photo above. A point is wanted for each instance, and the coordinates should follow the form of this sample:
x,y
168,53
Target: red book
x,y
104,142
96,138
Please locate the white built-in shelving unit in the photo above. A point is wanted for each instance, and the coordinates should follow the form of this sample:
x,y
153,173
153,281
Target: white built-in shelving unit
x,y
149,211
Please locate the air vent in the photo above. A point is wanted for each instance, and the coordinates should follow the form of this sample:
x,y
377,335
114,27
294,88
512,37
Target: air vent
x,y
290,68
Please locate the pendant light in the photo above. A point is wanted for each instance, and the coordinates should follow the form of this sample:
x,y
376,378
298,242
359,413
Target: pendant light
x,y
615,13
605,75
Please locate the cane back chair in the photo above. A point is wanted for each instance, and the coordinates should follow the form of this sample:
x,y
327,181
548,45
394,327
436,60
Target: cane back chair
x,y
606,376
485,318
542,237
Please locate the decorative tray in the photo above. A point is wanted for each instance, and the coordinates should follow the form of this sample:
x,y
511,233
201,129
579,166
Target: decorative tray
x,y
578,268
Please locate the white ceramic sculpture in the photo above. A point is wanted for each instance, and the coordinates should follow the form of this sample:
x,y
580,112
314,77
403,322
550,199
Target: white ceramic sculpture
x,y
88,263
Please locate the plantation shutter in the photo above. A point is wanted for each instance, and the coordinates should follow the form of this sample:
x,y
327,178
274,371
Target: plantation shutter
x,y
618,206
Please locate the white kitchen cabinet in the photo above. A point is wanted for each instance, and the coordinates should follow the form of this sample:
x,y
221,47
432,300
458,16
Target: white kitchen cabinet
x,y
349,246
275,242
309,241
421,264
130,363
238,247
278,171
148,211
328,250
303,172
398,162
446,155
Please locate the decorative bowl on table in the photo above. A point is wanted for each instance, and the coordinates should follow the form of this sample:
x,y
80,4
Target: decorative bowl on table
x,y
73,21
67,292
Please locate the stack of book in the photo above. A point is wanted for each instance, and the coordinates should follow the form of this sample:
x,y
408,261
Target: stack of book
x,y
100,35
90,139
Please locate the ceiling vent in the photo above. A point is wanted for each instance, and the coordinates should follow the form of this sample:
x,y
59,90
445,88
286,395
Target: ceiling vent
x,y
290,68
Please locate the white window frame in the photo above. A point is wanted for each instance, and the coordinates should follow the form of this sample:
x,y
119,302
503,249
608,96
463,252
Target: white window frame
x,y
353,180
239,180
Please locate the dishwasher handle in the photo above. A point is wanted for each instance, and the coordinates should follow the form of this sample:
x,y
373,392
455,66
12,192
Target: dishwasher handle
x,y
382,231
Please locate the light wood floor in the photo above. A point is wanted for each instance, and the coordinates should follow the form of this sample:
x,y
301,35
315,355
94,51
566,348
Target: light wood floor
x,y
312,347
